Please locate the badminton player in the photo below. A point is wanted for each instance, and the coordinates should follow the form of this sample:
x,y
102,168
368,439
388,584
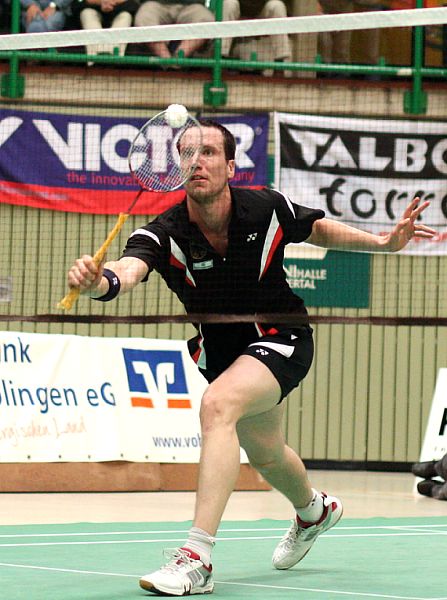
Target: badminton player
x,y
221,251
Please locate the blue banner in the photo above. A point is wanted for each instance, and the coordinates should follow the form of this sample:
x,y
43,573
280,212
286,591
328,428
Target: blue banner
x,y
78,163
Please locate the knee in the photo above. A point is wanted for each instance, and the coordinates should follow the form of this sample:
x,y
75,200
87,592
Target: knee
x,y
195,13
145,16
275,9
216,411
36,26
231,10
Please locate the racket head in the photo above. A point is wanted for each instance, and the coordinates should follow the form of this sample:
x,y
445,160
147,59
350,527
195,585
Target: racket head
x,y
154,158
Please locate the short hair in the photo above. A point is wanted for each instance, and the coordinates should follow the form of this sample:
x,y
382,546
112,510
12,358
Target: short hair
x,y
228,138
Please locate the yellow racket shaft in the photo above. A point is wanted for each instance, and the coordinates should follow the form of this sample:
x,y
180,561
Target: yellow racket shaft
x,y
67,302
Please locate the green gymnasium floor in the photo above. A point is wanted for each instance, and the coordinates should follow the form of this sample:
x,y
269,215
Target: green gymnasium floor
x,y
404,559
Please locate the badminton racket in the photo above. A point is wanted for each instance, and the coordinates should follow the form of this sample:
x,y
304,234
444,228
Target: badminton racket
x,y
155,163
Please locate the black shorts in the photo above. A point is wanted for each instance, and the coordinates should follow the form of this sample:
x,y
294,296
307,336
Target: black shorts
x,y
287,354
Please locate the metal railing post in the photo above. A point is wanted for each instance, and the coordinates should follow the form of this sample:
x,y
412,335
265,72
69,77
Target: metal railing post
x,y
215,91
12,83
415,100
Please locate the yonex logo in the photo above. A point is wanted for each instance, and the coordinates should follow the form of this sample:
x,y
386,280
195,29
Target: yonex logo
x,y
262,351
251,237
156,378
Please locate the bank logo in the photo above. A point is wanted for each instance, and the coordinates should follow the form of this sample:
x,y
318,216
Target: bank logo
x,y
156,378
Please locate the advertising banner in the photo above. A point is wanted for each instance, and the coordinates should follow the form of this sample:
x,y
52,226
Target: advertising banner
x,y
78,163
328,278
75,398
435,440
364,172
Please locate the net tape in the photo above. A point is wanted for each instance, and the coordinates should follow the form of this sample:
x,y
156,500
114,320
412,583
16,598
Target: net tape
x,y
228,29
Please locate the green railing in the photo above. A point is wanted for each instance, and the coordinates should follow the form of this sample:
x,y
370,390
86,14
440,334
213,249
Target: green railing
x,y
215,91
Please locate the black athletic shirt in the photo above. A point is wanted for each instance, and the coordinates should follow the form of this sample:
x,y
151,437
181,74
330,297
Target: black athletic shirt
x,y
250,279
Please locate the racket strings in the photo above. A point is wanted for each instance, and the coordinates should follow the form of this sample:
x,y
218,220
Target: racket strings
x,y
154,158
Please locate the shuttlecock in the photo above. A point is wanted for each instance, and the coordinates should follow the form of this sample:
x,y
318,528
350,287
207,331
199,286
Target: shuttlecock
x,y
176,115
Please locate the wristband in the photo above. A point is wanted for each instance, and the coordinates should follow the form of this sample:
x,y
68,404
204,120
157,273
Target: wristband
x,y
114,286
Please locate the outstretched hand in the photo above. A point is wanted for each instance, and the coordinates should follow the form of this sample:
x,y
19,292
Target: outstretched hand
x,y
408,228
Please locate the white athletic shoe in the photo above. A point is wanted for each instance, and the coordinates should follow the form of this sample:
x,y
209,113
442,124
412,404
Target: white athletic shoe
x,y
183,575
300,537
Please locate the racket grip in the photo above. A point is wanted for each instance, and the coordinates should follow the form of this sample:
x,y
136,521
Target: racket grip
x,y
101,252
69,299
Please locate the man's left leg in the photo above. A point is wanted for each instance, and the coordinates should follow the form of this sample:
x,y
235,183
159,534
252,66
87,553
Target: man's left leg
x,y
262,438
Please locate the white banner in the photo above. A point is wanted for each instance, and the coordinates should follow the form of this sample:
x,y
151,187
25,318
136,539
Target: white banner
x,y
435,439
364,172
74,398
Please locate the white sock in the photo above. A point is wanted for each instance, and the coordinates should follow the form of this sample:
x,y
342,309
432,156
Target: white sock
x,y
313,511
201,543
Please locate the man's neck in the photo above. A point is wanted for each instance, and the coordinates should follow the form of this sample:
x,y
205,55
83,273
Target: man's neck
x,y
212,217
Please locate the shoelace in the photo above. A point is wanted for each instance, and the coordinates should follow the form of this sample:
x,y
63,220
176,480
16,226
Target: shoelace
x,y
177,558
305,534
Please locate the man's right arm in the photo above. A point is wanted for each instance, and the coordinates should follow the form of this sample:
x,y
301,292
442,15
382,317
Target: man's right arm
x,y
89,278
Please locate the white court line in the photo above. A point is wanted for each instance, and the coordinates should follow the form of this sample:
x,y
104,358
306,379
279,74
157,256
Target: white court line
x,y
236,530
251,585
333,535
427,529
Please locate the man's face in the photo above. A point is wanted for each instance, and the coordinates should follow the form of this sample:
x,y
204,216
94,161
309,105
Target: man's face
x,y
213,170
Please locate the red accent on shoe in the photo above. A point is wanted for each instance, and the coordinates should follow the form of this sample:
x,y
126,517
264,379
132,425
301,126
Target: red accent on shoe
x,y
195,556
306,524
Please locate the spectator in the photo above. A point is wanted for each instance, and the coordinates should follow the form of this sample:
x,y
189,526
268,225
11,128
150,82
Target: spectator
x,y
168,12
5,16
96,14
275,47
44,15
336,45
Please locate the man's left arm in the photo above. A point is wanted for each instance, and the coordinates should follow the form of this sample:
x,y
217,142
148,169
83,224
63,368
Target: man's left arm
x,y
333,234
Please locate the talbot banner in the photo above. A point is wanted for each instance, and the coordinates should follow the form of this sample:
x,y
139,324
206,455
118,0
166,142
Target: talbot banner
x,y
364,172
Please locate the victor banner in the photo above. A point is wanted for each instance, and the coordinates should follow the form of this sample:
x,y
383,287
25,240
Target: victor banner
x,y
78,163
364,172
76,398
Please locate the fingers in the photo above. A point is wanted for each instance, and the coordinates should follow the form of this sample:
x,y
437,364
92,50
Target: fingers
x,y
423,231
417,210
84,273
411,207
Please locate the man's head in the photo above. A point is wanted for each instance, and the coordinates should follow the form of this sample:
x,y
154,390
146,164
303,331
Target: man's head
x,y
215,165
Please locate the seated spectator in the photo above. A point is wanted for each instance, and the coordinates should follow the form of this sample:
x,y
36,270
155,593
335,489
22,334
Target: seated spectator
x,y
275,47
5,16
336,45
169,12
44,15
96,14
